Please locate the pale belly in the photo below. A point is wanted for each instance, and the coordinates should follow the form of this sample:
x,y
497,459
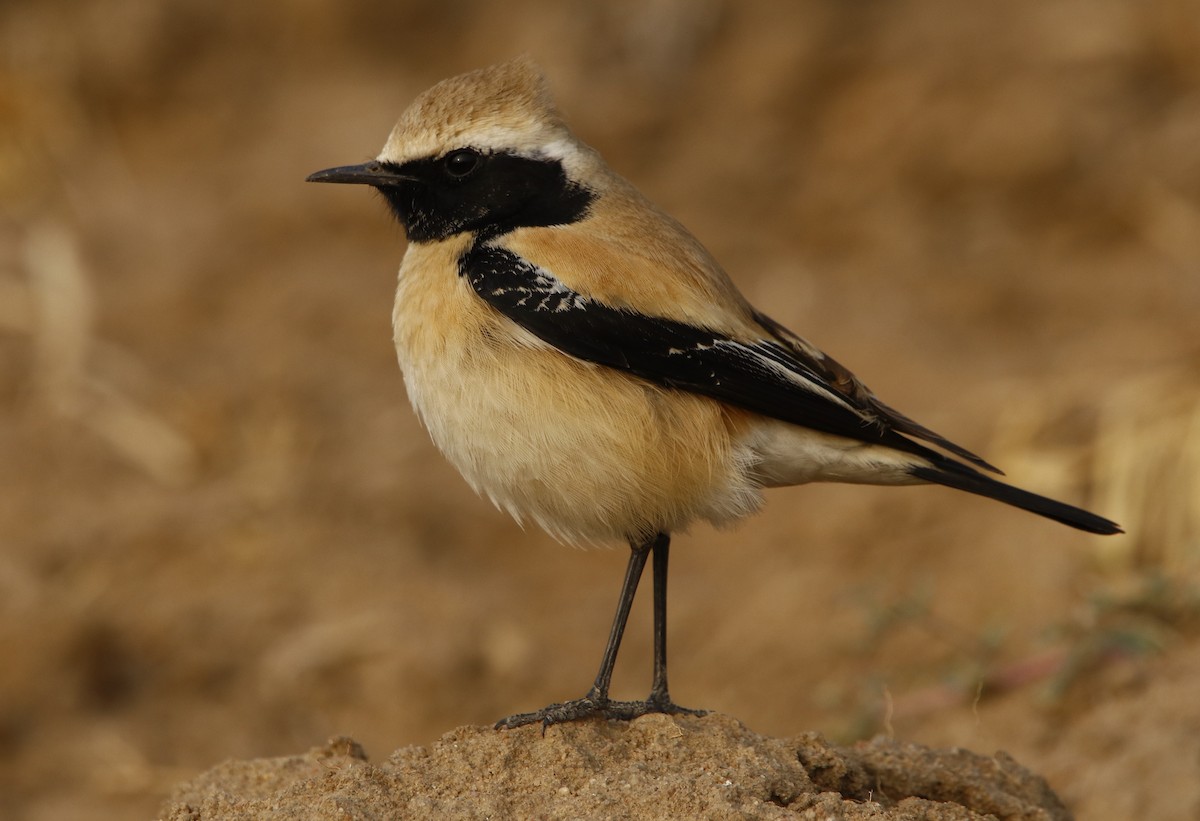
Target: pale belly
x,y
586,452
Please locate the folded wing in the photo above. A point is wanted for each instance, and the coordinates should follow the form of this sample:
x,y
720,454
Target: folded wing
x,y
780,375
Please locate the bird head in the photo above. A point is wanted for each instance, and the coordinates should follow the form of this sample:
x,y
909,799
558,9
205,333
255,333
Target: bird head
x,y
484,152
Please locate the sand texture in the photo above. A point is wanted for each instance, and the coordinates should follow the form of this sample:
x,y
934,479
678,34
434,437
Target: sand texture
x,y
654,767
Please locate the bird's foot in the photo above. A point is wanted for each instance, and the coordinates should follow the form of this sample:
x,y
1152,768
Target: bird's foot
x,y
594,705
661,703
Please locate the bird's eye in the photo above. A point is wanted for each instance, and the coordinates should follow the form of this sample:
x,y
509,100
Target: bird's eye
x,y
462,163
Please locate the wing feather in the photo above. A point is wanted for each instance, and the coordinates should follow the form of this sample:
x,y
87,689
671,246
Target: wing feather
x,y
831,372
775,376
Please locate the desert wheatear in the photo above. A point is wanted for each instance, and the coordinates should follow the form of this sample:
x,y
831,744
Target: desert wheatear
x,y
585,363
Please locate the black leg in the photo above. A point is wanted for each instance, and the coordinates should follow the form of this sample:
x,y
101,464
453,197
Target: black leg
x,y
633,574
660,699
597,703
658,691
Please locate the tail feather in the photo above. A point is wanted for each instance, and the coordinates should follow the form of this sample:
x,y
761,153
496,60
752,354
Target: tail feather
x,y
953,474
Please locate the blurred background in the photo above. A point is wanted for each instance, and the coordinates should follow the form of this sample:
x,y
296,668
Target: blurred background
x,y
223,533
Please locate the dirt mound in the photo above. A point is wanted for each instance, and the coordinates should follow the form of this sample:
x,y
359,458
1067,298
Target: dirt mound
x,y
654,767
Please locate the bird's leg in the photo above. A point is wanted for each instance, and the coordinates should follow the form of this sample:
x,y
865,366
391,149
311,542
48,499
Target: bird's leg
x,y
658,690
660,700
633,573
597,703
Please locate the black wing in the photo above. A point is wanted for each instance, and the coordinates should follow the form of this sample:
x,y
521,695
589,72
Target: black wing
x,y
766,377
779,377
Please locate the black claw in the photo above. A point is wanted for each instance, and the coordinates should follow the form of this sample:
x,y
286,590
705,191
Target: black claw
x,y
592,707
663,704
576,710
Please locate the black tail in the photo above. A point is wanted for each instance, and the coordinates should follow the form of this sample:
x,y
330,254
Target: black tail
x,y
959,476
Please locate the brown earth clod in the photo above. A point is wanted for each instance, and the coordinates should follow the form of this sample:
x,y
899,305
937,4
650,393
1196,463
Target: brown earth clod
x,y
654,767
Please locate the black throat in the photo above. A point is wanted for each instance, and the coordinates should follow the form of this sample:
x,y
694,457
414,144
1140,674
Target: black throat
x,y
502,192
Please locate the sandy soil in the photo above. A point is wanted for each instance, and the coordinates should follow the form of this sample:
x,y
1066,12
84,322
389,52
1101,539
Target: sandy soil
x,y
224,535
654,767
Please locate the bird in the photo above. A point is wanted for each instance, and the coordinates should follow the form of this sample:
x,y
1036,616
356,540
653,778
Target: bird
x,y
585,363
